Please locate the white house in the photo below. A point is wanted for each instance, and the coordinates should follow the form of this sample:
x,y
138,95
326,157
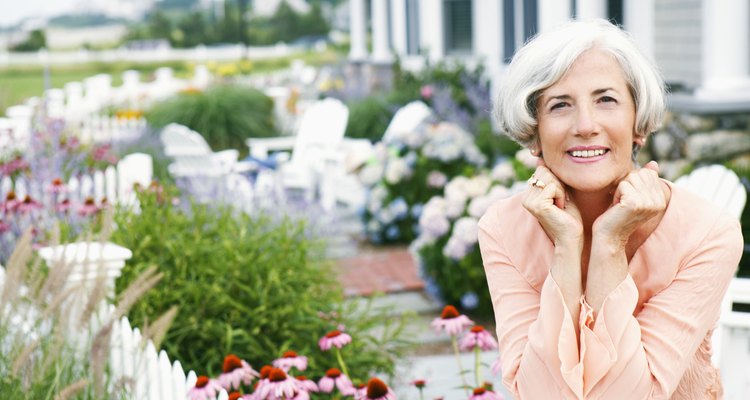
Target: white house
x,y
702,46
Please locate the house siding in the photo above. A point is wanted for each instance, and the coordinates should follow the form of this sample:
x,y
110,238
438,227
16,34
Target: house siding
x,y
677,40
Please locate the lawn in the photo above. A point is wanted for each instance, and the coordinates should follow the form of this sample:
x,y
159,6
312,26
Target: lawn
x,y
18,83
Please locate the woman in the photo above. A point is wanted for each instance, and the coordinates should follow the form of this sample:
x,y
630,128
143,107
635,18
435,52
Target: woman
x,y
606,281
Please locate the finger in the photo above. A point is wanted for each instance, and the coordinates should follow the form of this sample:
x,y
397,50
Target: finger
x,y
653,166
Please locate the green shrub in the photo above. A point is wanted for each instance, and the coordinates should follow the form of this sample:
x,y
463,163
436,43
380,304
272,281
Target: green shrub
x,y
244,284
224,115
368,118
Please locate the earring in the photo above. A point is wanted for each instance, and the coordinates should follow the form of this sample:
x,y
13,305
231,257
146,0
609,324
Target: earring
x,y
534,152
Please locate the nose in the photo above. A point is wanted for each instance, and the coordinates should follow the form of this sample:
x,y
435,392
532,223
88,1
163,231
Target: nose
x,y
585,124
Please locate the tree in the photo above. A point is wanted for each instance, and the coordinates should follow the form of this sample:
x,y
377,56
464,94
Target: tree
x,y
159,26
37,40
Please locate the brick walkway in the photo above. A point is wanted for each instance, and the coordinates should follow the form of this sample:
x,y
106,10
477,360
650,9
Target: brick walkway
x,y
379,270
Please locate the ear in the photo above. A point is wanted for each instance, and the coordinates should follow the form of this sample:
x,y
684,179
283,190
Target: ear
x,y
536,148
640,140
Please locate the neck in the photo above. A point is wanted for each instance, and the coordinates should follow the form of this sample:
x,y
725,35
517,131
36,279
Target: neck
x,y
591,205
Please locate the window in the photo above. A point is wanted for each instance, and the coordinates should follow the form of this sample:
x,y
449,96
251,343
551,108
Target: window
x,y
412,27
520,22
458,26
615,12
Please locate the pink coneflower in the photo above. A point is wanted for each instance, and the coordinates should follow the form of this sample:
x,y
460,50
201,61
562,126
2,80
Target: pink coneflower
x,y
236,372
28,205
4,227
419,383
63,206
57,186
478,337
291,359
334,338
306,384
11,202
426,91
205,389
88,207
335,378
279,386
239,396
378,390
451,321
360,391
485,394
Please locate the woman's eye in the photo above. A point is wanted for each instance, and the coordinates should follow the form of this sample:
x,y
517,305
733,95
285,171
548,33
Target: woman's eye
x,y
607,99
557,106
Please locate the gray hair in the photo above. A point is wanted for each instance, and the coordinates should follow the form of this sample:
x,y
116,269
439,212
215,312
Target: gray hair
x,y
546,58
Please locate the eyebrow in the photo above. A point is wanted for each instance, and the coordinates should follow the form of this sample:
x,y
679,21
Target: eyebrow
x,y
568,97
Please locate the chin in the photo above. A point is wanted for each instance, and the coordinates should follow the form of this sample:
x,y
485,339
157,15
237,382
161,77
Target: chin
x,y
589,186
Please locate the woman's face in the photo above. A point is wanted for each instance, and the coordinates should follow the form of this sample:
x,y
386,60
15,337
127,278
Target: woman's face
x,y
586,124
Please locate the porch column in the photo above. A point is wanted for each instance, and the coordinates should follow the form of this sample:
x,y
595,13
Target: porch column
x,y
591,9
639,21
431,28
725,49
357,30
399,32
553,13
381,51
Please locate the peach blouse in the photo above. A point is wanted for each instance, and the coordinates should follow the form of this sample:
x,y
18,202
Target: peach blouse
x,y
651,337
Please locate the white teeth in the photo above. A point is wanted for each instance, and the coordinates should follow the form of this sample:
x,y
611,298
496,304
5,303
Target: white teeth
x,y
587,153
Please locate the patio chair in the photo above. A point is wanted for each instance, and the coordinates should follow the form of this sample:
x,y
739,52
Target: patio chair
x,y
320,133
192,156
721,186
406,120
193,161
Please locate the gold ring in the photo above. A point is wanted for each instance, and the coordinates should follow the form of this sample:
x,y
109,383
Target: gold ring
x,y
536,182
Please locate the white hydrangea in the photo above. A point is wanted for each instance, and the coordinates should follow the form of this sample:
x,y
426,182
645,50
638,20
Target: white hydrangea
x,y
434,222
479,205
503,172
526,158
396,170
477,185
455,249
455,190
466,230
371,173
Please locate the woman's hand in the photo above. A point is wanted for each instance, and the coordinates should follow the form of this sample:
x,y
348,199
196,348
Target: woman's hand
x,y
550,205
637,198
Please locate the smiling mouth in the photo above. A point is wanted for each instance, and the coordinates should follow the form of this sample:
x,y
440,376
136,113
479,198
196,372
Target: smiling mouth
x,y
588,153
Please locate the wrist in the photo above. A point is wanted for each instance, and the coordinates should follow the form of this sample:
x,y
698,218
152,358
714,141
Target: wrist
x,y
607,240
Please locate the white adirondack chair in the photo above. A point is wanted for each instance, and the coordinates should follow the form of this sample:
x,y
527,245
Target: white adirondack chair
x,y
320,133
406,120
192,155
731,339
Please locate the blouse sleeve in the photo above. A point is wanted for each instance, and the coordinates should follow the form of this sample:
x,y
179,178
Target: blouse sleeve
x,y
644,355
648,354
536,335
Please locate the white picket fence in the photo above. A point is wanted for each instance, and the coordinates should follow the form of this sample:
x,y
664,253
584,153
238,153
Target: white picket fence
x,y
148,374
80,105
116,184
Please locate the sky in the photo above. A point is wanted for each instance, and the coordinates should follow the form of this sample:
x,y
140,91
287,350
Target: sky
x,y
13,11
